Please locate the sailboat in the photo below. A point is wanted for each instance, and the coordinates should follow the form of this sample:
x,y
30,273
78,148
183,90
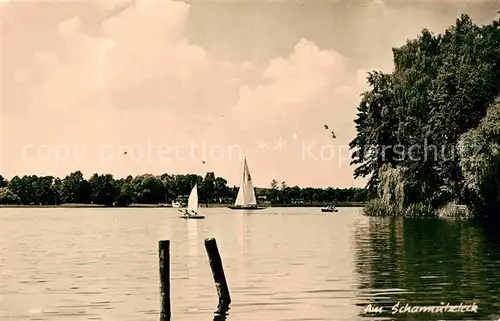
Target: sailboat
x,y
246,200
192,209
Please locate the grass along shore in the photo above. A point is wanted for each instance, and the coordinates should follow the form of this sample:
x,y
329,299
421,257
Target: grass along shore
x,y
214,205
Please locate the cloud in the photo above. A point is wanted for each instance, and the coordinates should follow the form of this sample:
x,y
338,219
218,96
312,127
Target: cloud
x,y
142,80
69,27
293,87
143,61
113,4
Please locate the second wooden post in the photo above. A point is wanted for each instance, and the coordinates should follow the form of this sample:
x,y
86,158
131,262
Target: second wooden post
x,y
218,273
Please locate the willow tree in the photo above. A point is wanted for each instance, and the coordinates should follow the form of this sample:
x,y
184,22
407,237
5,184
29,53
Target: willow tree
x,y
480,160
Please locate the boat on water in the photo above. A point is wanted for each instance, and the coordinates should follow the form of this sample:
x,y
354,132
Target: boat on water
x,y
191,212
246,200
329,208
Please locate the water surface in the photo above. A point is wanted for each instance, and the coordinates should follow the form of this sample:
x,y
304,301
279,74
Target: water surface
x,y
280,263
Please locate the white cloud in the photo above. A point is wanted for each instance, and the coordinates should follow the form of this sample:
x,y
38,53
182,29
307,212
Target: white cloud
x,y
294,86
143,80
69,27
20,76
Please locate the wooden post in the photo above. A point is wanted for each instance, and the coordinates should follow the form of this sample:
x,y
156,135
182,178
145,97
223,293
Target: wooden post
x,y
164,256
218,273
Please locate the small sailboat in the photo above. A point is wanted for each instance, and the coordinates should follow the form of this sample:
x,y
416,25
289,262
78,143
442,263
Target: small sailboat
x,y
192,209
246,200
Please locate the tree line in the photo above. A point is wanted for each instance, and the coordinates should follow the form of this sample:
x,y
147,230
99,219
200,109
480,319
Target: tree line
x,y
104,189
428,132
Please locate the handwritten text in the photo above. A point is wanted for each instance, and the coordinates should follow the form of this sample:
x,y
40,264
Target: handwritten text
x,y
443,308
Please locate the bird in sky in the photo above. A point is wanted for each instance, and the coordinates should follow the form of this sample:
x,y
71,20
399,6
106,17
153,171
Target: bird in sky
x,y
333,134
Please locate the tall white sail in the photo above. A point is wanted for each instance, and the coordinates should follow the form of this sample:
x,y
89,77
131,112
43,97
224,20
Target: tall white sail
x,y
246,193
193,200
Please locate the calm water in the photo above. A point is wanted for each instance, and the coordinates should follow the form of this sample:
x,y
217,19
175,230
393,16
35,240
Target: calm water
x,y
281,264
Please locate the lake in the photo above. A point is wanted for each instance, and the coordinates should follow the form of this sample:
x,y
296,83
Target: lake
x,y
280,264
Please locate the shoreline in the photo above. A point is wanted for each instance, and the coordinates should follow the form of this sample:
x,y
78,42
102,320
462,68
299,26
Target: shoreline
x,y
216,205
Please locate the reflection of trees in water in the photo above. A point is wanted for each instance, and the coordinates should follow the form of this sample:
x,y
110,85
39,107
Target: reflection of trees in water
x,y
426,262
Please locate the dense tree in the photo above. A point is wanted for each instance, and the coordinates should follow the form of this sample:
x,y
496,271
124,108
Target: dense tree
x,y
376,129
104,189
412,118
148,187
169,186
32,189
8,197
208,187
272,193
221,189
480,161
3,182
56,190
74,189
44,192
126,194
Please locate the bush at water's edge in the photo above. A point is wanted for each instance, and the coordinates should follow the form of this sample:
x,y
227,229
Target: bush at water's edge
x,y
381,207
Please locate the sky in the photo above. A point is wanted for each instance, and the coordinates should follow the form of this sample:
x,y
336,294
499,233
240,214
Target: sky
x,y
161,86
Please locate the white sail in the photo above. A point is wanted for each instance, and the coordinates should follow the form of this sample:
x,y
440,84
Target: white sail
x,y
246,193
193,200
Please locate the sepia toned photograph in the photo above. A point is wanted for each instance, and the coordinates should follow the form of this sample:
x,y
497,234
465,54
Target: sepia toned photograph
x,y
249,160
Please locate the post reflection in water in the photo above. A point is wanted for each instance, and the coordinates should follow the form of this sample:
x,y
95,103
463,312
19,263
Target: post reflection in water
x,y
244,247
165,230
426,263
220,316
240,235
192,227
